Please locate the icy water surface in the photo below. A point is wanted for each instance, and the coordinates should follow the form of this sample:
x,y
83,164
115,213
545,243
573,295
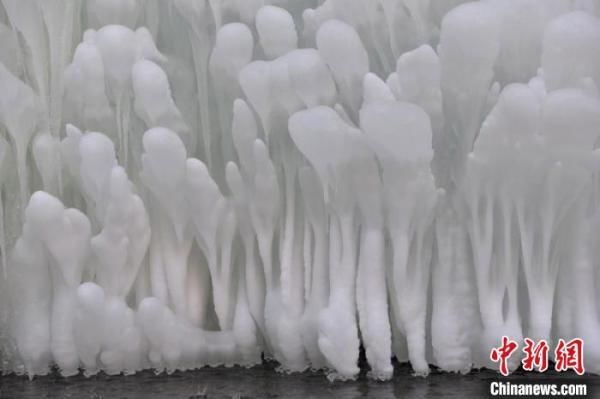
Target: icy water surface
x,y
265,382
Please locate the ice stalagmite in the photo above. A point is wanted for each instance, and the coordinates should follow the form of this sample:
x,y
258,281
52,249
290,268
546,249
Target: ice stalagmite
x,y
87,104
234,46
20,124
316,261
348,62
409,201
125,236
60,238
164,173
317,132
150,83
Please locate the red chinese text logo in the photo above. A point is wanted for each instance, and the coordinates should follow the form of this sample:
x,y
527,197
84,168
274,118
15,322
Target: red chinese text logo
x,y
502,354
568,355
536,355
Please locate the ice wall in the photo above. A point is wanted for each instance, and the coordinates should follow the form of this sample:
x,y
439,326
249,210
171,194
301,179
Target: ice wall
x,y
199,182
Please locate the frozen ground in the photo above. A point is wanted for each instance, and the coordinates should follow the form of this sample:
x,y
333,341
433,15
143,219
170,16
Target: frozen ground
x,y
264,382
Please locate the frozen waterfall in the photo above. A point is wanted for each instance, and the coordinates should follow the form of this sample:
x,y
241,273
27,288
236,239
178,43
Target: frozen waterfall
x,y
210,182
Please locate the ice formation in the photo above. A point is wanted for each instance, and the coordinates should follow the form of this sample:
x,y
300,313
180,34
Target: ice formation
x,y
203,182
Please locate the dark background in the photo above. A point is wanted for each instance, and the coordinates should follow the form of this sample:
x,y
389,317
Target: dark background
x,y
265,382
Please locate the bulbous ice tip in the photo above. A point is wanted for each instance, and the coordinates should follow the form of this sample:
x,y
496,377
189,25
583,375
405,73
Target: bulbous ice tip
x,y
97,147
571,119
235,181
518,98
375,90
89,36
243,123
276,31
197,168
87,54
239,106
163,161
146,45
234,39
424,53
162,139
119,182
90,294
111,36
472,15
148,78
514,118
231,170
332,34
477,24
72,130
149,309
43,209
260,151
